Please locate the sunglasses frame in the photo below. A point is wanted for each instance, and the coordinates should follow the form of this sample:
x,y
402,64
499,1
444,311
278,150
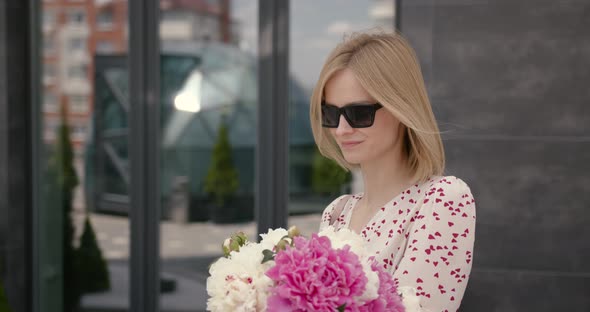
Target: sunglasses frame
x,y
342,111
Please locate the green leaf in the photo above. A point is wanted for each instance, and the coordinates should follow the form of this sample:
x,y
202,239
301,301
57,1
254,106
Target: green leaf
x,y
268,255
342,307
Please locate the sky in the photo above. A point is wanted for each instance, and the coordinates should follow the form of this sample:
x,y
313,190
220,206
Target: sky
x,y
315,28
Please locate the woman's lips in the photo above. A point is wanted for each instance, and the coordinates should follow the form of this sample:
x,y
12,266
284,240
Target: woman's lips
x,y
350,144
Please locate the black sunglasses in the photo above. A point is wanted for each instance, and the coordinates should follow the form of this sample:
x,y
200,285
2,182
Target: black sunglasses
x,y
357,115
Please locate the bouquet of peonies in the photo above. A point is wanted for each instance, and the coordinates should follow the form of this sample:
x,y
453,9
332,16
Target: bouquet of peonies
x,y
331,271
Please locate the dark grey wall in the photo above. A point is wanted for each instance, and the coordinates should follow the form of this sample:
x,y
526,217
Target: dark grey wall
x,y
15,154
509,83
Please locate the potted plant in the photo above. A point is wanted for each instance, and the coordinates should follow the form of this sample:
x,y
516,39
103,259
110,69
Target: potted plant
x,y
221,183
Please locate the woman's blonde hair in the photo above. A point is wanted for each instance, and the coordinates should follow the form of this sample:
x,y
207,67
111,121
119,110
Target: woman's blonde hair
x,y
386,66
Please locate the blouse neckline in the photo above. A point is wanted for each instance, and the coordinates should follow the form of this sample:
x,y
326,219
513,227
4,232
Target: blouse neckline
x,y
355,199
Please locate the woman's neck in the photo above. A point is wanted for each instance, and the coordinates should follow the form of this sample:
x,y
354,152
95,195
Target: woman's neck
x,y
384,178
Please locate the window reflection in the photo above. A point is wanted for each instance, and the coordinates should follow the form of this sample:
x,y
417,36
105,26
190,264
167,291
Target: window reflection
x,y
314,180
208,106
84,251
209,102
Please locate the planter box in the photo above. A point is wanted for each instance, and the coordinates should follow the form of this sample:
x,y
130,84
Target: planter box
x,y
235,210
199,209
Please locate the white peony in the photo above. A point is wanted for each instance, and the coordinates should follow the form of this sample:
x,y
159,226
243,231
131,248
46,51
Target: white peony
x,y
272,237
345,237
372,288
238,283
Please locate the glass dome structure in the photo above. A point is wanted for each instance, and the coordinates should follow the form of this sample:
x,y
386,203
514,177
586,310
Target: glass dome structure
x,y
202,85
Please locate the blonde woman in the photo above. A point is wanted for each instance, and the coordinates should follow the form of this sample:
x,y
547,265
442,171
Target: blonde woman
x,y
370,111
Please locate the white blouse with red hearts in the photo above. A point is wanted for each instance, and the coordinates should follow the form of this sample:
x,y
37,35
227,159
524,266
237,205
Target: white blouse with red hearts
x,y
424,236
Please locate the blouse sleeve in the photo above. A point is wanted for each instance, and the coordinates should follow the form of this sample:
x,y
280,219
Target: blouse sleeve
x,y
327,214
439,252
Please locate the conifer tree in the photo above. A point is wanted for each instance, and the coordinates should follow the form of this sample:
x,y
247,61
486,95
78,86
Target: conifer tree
x,y
92,268
62,167
222,178
62,175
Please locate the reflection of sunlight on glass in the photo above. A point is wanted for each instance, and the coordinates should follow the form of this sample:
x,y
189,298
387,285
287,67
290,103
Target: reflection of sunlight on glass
x,y
189,98
187,102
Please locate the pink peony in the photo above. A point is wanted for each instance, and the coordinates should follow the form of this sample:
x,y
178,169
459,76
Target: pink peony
x,y
311,276
388,299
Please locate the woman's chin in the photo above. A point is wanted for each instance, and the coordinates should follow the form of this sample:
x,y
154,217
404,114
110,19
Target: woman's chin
x,y
352,159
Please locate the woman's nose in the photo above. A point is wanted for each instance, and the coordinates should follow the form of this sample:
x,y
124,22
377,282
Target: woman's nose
x,y
343,126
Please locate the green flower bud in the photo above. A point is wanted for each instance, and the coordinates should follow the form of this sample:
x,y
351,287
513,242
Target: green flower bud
x,y
234,245
241,238
226,247
282,245
293,231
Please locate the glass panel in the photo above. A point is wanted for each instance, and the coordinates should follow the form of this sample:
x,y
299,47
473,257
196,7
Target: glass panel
x,y
84,226
315,181
209,98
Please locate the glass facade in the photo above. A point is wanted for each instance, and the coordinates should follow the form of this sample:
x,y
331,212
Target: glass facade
x,y
83,228
208,104
208,99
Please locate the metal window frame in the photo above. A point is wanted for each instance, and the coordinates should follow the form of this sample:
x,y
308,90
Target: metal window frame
x,y
398,14
17,157
272,149
144,148
35,46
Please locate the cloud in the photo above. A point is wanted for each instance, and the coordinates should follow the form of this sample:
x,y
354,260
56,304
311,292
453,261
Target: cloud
x,y
339,27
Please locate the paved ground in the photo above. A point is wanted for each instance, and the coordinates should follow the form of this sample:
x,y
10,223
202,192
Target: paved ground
x,y
178,240
186,252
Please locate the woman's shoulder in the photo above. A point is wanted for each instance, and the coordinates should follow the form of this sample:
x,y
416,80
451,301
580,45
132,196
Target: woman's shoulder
x,y
342,199
450,185
337,200
451,198
329,211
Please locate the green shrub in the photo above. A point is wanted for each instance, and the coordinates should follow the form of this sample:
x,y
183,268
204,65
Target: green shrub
x,y
62,174
92,268
328,177
222,181
84,269
3,301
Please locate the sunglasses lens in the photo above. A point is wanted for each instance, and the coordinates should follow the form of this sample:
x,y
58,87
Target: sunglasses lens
x,y
360,116
330,116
